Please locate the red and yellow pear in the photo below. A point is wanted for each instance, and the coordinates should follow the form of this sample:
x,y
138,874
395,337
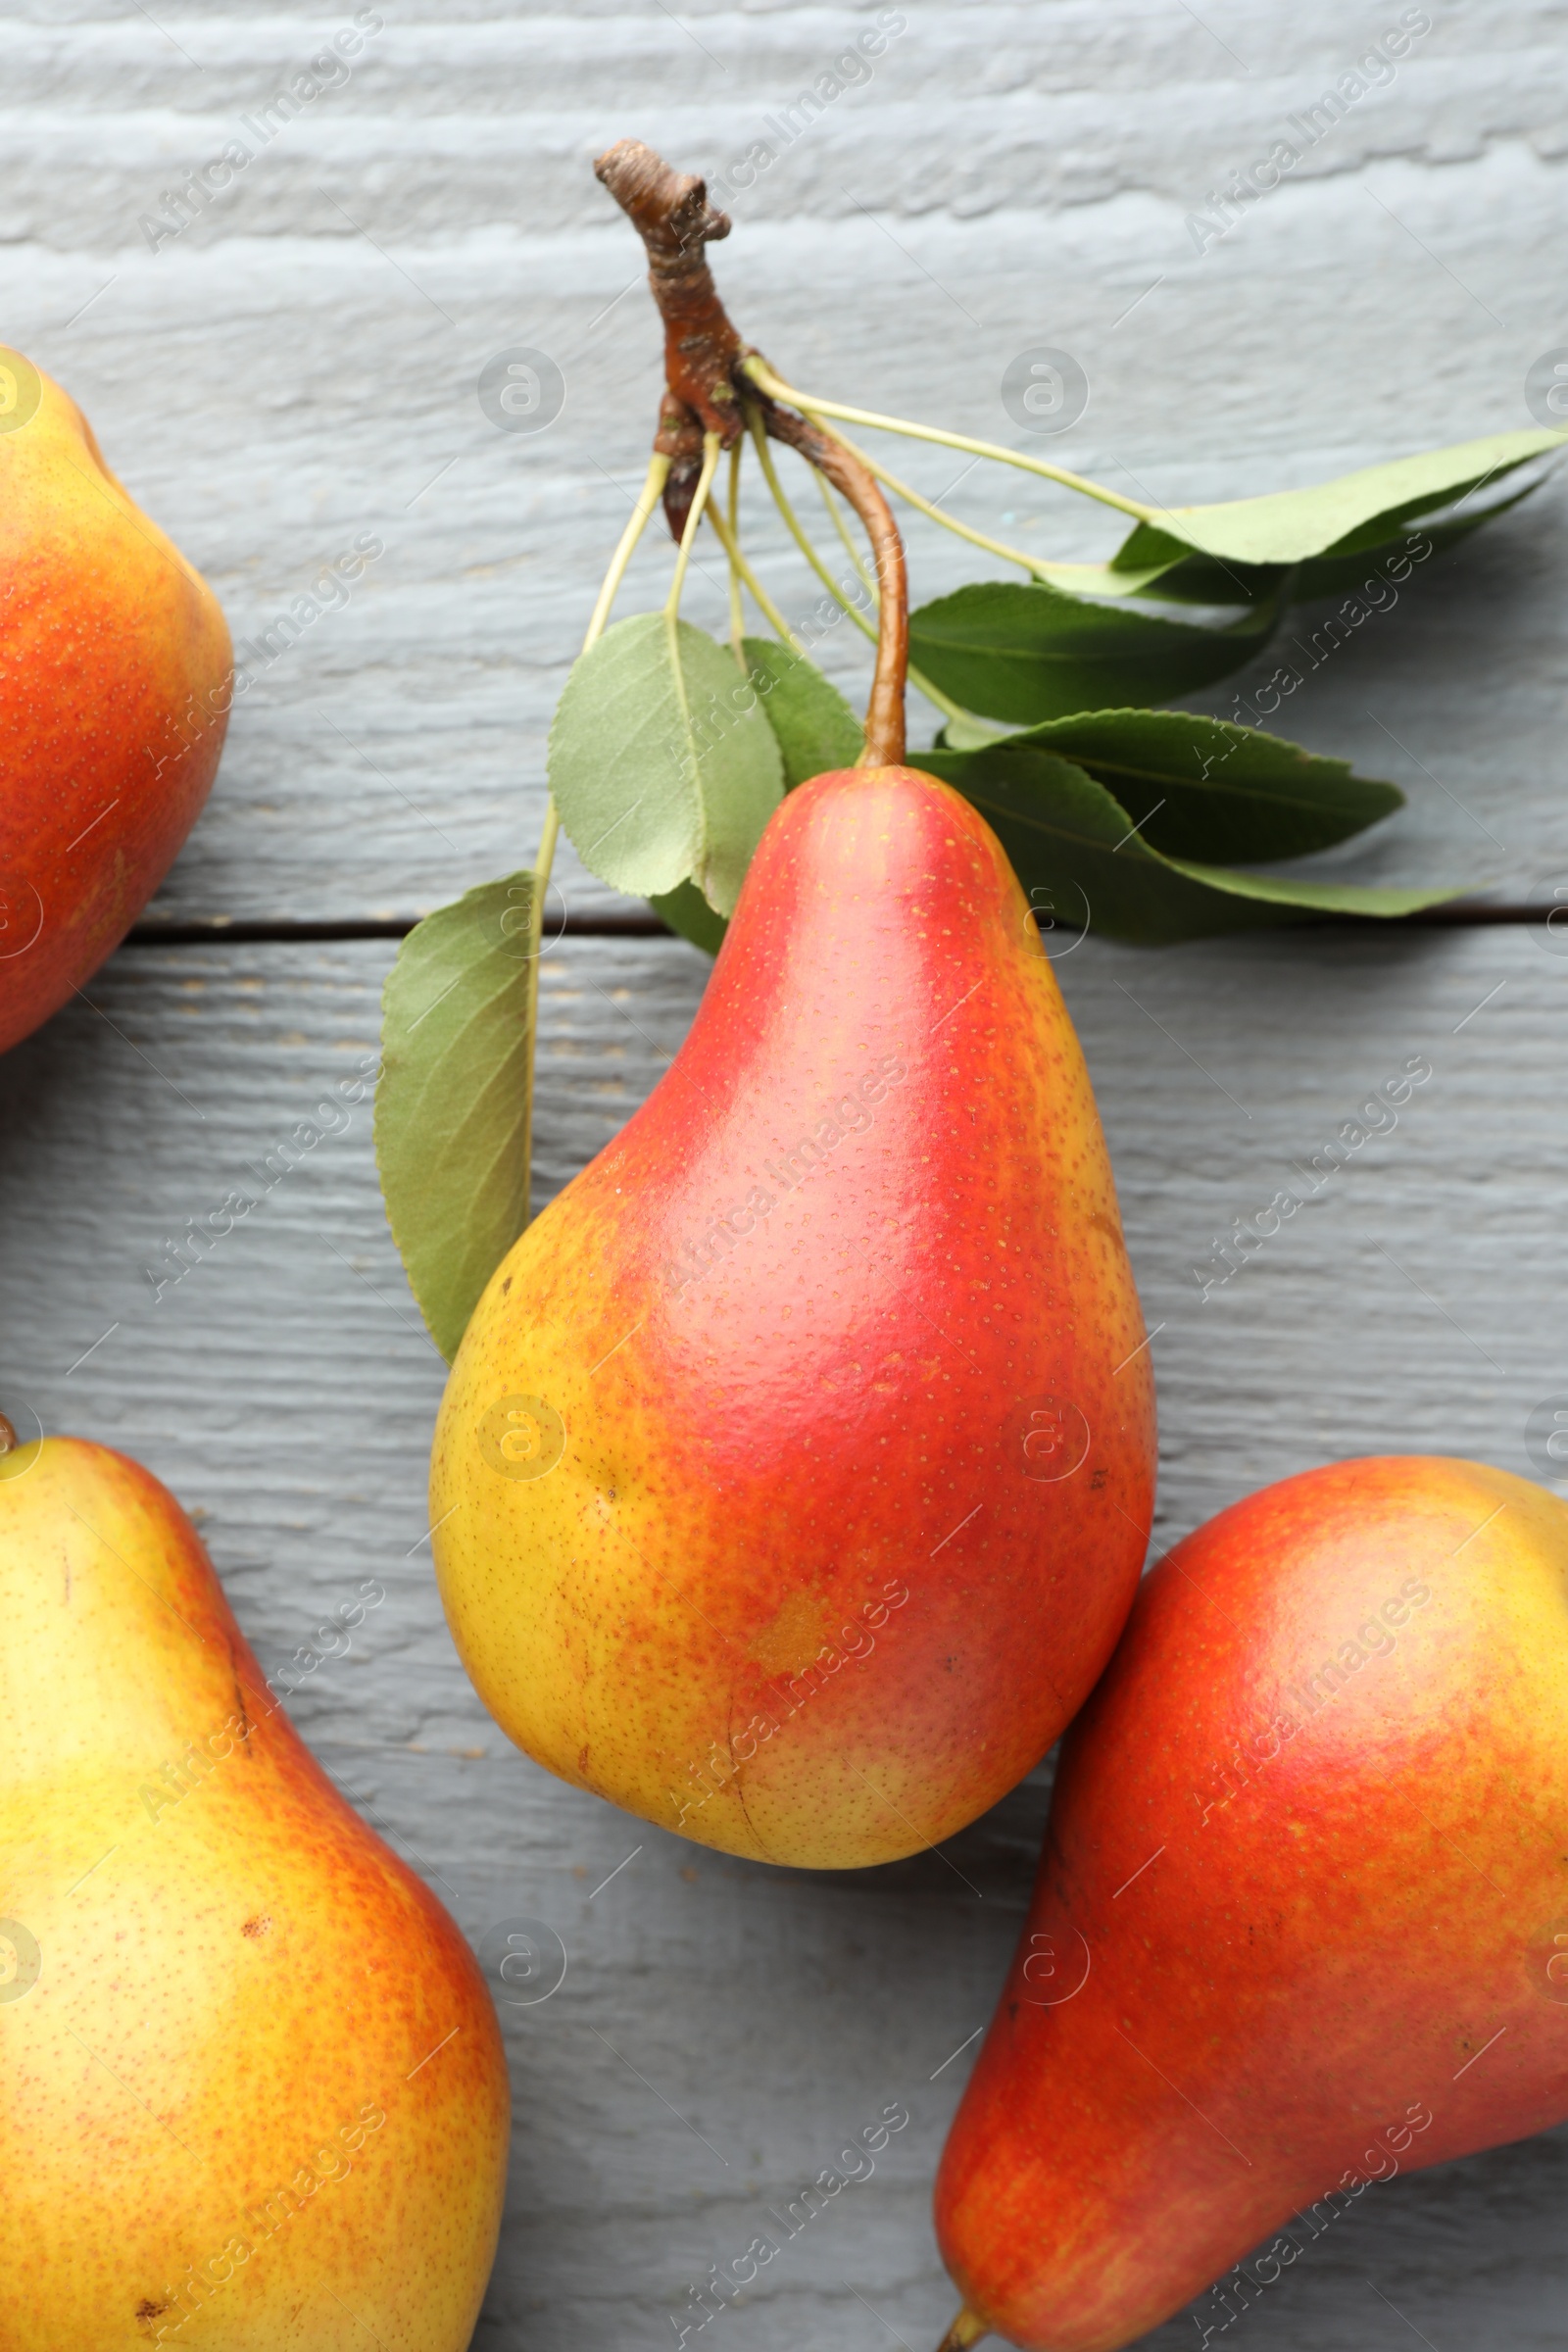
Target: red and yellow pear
x,y
1301,1916
795,1472
114,681
252,2092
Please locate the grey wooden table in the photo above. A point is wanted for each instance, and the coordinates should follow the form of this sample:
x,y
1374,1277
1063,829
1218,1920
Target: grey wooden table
x,y
295,367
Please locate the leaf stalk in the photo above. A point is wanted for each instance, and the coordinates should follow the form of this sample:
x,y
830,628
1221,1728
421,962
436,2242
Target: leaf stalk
x,y
763,375
793,526
549,831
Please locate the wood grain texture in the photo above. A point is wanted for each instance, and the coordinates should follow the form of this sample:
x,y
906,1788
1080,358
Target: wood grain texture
x,y
723,2029
297,367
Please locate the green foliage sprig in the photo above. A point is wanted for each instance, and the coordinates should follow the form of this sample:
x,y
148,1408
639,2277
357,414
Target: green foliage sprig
x,y
670,751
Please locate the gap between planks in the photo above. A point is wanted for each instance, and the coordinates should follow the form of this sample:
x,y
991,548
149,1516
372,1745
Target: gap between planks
x,y
213,930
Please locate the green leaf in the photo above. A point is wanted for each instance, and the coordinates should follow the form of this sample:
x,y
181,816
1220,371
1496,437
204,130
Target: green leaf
x,y
662,762
1357,564
1079,856
1341,569
1362,510
1108,579
685,910
815,727
1202,788
452,1107
1030,653
963,732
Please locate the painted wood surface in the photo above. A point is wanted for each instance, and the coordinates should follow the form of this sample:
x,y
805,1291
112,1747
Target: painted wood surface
x,y
297,369
284,1388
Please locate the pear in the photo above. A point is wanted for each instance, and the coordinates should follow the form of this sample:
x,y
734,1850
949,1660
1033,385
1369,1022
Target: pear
x,y
115,683
793,1473
1301,1917
250,2074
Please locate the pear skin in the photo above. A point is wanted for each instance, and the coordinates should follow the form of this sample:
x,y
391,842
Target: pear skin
x,y
254,2097
1301,1916
794,1475
116,675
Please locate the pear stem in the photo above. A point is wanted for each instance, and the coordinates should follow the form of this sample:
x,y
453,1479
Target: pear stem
x,y
883,711
966,2330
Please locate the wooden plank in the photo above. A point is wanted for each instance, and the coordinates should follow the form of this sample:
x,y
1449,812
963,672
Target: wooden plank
x,y
284,1389
297,368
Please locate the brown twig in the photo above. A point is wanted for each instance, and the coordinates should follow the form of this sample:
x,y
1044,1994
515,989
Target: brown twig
x,y
671,212
704,359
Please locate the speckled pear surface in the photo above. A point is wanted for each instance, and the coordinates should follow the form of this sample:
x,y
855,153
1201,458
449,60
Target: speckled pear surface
x,y
115,680
252,2092
794,1475
1301,1917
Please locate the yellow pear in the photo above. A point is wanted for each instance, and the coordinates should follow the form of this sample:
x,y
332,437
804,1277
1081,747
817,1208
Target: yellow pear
x,y
252,2090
